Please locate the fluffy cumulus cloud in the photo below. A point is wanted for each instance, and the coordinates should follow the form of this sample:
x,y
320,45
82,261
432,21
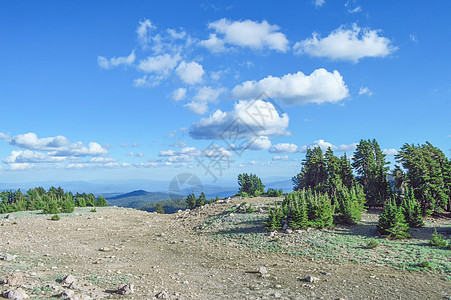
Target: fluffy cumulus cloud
x,y
253,143
179,94
347,44
56,151
324,145
247,33
293,89
190,73
248,119
105,63
161,64
205,95
284,148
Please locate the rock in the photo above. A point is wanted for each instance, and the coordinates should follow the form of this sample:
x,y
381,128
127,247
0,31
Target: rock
x,y
262,270
15,279
289,231
79,297
272,234
9,257
10,217
162,295
312,279
67,294
277,295
125,289
105,249
74,285
17,294
69,279
325,273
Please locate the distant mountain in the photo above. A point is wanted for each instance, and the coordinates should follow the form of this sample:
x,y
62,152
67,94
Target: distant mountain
x,y
136,199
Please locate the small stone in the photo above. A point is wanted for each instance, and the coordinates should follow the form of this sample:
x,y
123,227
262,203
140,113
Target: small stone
x,y
17,294
162,295
69,279
125,289
262,270
9,257
15,279
105,249
10,217
278,286
325,273
67,294
312,279
277,295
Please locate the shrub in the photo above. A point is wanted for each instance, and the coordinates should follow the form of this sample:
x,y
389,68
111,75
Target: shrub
x,y
349,205
319,210
412,210
372,244
159,208
424,264
274,193
68,206
93,210
392,223
437,240
55,218
51,208
275,217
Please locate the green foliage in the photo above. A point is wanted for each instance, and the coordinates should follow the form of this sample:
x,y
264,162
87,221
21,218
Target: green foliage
x,y
313,171
93,210
101,201
372,244
275,217
274,193
159,208
191,201
429,175
250,184
392,223
349,205
412,210
437,240
68,204
424,264
369,163
55,218
51,208
202,200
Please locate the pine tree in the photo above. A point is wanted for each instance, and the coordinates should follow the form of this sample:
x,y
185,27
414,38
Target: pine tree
x,y
202,200
101,201
275,217
412,210
159,209
191,201
392,223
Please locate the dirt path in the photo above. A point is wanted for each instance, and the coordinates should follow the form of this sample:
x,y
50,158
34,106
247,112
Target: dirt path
x,y
163,253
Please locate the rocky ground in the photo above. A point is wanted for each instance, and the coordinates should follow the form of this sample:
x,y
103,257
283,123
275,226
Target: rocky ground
x,y
189,255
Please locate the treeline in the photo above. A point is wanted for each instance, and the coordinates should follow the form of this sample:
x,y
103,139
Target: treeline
x,y
250,185
327,191
53,201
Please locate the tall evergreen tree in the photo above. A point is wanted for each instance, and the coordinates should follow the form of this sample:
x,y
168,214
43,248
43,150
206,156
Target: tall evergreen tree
x,y
369,163
191,201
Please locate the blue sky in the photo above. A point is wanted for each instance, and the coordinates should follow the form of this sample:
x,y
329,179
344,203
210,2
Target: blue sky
x,y
150,89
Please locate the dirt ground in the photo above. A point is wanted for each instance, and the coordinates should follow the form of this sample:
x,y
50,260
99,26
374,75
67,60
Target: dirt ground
x,y
166,253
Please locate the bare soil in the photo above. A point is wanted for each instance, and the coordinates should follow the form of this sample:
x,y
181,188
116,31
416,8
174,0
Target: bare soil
x,y
179,254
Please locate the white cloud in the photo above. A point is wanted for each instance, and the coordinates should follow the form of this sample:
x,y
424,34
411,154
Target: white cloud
x,y
190,73
414,38
284,148
143,31
102,160
29,156
138,154
246,33
390,152
161,64
292,89
4,136
20,166
254,143
244,121
58,146
179,94
205,95
176,35
324,145
280,157
188,154
319,3
214,44
352,7
105,63
347,44
365,91
148,80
